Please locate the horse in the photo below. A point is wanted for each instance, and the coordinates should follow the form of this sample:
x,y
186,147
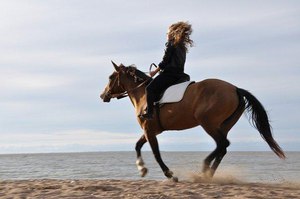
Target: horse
x,y
214,104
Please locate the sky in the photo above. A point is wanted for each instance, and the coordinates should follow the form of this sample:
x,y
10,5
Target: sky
x,y
55,61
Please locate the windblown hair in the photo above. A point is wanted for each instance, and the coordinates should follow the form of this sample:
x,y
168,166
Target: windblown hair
x,y
179,33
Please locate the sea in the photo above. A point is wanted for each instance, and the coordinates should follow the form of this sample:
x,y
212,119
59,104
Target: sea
x,y
252,167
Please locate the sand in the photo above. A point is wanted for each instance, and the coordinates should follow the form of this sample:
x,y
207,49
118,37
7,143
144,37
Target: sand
x,y
142,189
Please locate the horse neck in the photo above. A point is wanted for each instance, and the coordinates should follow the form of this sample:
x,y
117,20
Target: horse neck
x,y
136,94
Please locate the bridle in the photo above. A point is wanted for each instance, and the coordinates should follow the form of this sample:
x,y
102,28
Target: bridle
x,y
108,93
126,92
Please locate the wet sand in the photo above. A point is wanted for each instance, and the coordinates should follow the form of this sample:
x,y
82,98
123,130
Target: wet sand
x,y
142,189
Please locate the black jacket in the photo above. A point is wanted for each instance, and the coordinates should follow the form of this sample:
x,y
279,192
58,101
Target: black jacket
x,y
174,59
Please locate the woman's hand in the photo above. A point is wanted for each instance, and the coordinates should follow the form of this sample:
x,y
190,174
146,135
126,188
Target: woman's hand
x,y
152,73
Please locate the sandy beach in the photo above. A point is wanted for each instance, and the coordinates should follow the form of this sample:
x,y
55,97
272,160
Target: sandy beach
x,y
142,189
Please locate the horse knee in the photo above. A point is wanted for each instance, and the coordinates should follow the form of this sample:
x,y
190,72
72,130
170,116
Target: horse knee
x,y
223,147
223,144
137,147
227,143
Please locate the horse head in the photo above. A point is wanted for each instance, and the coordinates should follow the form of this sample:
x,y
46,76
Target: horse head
x,y
121,81
114,87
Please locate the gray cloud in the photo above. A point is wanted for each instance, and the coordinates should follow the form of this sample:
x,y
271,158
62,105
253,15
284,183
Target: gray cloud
x,y
55,60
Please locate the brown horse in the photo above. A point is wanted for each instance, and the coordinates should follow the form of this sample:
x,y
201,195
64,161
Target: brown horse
x,y
214,104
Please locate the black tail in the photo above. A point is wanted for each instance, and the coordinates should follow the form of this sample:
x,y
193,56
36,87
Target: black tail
x,y
259,119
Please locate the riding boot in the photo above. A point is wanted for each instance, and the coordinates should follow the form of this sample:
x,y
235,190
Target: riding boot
x,y
149,112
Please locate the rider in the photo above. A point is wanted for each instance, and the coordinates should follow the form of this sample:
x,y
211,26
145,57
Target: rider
x,y
171,66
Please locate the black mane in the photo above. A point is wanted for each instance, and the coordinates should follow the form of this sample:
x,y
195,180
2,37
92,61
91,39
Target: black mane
x,y
138,73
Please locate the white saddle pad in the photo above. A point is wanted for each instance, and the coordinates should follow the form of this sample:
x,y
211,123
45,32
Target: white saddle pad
x,y
174,93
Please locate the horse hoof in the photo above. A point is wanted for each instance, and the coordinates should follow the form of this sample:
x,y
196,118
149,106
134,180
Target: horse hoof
x,y
208,175
169,174
174,179
144,172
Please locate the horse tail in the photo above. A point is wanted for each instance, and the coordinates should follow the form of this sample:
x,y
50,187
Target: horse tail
x,y
259,119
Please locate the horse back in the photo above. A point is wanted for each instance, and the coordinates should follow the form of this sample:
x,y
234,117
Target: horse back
x,y
208,102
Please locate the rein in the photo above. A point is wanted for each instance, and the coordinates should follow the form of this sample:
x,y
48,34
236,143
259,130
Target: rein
x,y
125,93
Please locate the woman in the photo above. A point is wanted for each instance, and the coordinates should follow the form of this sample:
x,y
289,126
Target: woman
x,y
172,65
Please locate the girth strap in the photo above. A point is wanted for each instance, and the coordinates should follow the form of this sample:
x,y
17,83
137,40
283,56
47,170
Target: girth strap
x,y
157,107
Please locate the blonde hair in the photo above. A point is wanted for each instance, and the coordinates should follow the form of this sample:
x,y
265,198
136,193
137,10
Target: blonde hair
x,y
179,33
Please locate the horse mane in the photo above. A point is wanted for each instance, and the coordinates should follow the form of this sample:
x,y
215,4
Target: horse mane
x,y
133,71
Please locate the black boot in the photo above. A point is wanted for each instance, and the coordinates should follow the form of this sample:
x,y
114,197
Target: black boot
x,y
149,112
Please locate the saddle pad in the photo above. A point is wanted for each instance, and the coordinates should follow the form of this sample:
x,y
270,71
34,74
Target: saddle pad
x,y
174,93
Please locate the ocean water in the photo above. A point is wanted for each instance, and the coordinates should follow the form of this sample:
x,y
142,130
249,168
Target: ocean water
x,y
262,167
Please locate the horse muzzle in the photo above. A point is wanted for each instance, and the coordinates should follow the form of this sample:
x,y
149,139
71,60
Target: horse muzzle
x,y
105,97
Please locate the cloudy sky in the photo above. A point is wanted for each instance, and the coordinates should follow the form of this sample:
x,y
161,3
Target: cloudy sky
x,y
55,60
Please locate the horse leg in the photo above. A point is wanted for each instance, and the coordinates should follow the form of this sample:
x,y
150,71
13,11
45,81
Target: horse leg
x,y
155,149
207,161
217,155
222,150
221,138
140,162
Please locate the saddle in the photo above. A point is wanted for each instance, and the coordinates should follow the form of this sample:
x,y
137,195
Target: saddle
x,y
175,92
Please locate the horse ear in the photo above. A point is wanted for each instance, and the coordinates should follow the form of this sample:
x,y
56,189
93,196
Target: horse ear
x,y
116,66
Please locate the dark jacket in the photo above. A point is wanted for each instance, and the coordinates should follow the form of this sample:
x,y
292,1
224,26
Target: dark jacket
x,y
174,59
